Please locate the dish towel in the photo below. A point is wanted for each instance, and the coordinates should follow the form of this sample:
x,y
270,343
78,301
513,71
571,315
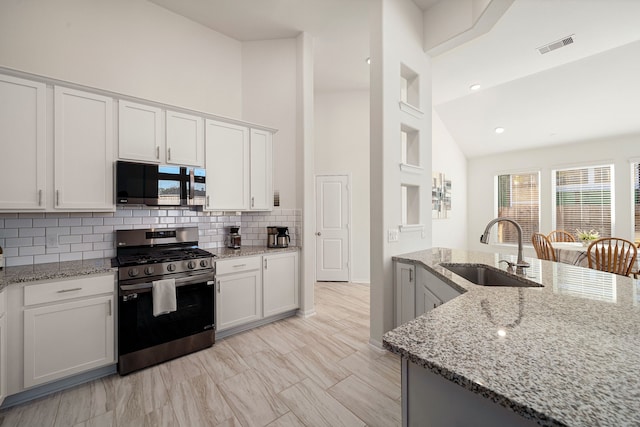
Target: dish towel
x,y
163,294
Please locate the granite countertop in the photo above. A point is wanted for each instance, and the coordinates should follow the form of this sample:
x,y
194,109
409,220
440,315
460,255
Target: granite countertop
x,y
570,352
71,269
222,253
54,270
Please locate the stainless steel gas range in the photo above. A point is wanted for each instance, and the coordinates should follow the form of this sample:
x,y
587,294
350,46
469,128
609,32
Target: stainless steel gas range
x,y
150,255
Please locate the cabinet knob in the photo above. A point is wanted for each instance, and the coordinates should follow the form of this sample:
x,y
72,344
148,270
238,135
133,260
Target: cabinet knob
x,y
318,234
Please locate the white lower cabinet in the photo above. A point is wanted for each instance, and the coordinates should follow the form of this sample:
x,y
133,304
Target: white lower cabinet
x,y
252,288
238,300
405,292
3,347
280,283
68,328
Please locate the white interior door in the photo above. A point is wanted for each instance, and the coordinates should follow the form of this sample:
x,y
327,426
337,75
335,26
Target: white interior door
x,y
332,228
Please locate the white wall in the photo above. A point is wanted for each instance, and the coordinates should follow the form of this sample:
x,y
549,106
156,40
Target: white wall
x,y
269,98
448,159
342,146
396,38
481,172
129,47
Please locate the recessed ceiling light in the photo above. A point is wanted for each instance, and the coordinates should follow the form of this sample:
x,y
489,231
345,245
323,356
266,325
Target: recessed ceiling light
x,y
368,60
474,86
499,130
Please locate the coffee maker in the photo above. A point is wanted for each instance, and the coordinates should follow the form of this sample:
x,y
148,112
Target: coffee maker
x,y
278,237
233,239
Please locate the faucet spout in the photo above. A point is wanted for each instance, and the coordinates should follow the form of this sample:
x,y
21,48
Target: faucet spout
x,y
520,263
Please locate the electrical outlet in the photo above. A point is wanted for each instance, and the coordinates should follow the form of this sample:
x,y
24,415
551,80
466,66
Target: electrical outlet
x,y
393,235
52,240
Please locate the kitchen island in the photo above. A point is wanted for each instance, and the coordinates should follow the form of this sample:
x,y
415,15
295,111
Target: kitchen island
x,y
566,353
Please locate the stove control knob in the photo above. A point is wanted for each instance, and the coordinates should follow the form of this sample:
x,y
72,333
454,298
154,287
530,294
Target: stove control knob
x,y
133,272
203,263
148,271
171,267
191,264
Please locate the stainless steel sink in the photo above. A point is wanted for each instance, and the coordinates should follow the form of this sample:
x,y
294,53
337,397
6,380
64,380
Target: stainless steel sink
x,y
485,275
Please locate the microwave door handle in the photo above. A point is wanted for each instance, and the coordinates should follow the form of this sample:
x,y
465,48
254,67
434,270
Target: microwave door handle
x,y
192,182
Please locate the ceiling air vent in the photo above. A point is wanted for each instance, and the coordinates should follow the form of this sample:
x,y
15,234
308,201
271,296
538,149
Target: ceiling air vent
x,y
557,44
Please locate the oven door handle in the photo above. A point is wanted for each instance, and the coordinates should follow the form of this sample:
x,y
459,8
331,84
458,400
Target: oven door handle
x,y
183,281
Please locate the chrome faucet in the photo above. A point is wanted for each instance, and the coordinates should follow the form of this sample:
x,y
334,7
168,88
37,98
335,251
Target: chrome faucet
x,y
520,264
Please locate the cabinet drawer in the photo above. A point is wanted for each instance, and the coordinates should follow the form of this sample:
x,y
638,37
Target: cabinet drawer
x,y
236,265
68,289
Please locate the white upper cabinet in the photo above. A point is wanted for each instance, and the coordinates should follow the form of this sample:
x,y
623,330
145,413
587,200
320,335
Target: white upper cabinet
x,y
228,165
22,144
261,170
139,131
185,139
83,150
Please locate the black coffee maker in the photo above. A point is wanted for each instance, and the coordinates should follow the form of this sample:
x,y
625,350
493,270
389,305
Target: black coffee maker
x,y
283,239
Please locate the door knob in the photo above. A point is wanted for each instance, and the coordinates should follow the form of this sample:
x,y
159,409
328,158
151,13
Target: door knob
x,y
318,234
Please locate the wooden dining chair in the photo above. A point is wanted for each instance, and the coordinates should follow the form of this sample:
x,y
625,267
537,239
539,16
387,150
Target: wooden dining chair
x,y
561,236
543,247
612,254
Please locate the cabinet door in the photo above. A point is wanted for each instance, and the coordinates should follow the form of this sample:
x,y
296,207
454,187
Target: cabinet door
x,y
425,300
261,170
67,338
185,141
23,139
280,283
239,299
83,150
443,291
227,166
3,347
139,132
405,292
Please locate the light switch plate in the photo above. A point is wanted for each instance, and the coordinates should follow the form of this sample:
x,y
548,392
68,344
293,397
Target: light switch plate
x,y
393,234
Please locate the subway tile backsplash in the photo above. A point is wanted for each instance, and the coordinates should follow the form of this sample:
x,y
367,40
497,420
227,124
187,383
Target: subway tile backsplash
x,y
36,238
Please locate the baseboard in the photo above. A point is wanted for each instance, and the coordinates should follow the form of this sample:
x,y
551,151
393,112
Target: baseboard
x,y
46,389
252,325
365,282
305,314
376,345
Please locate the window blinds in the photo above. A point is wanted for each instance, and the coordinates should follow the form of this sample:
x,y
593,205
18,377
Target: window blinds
x,y
583,199
518,199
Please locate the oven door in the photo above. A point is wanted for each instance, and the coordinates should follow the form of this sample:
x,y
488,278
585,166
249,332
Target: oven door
x,y
138,329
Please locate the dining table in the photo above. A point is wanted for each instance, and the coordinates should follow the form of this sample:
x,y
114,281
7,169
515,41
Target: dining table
x,y
575,253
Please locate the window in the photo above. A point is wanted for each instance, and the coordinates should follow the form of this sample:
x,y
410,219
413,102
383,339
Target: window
x,y
583,199
636,201
518,199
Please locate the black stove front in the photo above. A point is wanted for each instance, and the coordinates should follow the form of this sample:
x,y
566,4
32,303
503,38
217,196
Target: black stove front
x,y
144,339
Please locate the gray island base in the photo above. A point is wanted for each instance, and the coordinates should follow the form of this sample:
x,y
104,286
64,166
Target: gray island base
x,y
564,354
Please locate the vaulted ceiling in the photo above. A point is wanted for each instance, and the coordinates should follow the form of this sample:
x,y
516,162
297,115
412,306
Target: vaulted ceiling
x,y
585,90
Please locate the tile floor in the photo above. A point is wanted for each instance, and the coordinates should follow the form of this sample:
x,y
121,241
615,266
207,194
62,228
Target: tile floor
x,y
318,371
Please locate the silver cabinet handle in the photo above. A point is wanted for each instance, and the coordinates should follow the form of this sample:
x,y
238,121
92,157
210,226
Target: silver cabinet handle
x,y
39,197
218,286
411,275
252,201
239,265
57,197
109,311
61,291
169,153
265,263
157,151
208,201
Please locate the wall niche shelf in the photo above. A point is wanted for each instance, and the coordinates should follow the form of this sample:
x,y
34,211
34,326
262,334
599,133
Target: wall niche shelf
x,y
411,227
410,147
411,168
410,201
409,88
411,110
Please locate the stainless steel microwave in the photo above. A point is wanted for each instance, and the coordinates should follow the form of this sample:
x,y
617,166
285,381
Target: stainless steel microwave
x,y
159,185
